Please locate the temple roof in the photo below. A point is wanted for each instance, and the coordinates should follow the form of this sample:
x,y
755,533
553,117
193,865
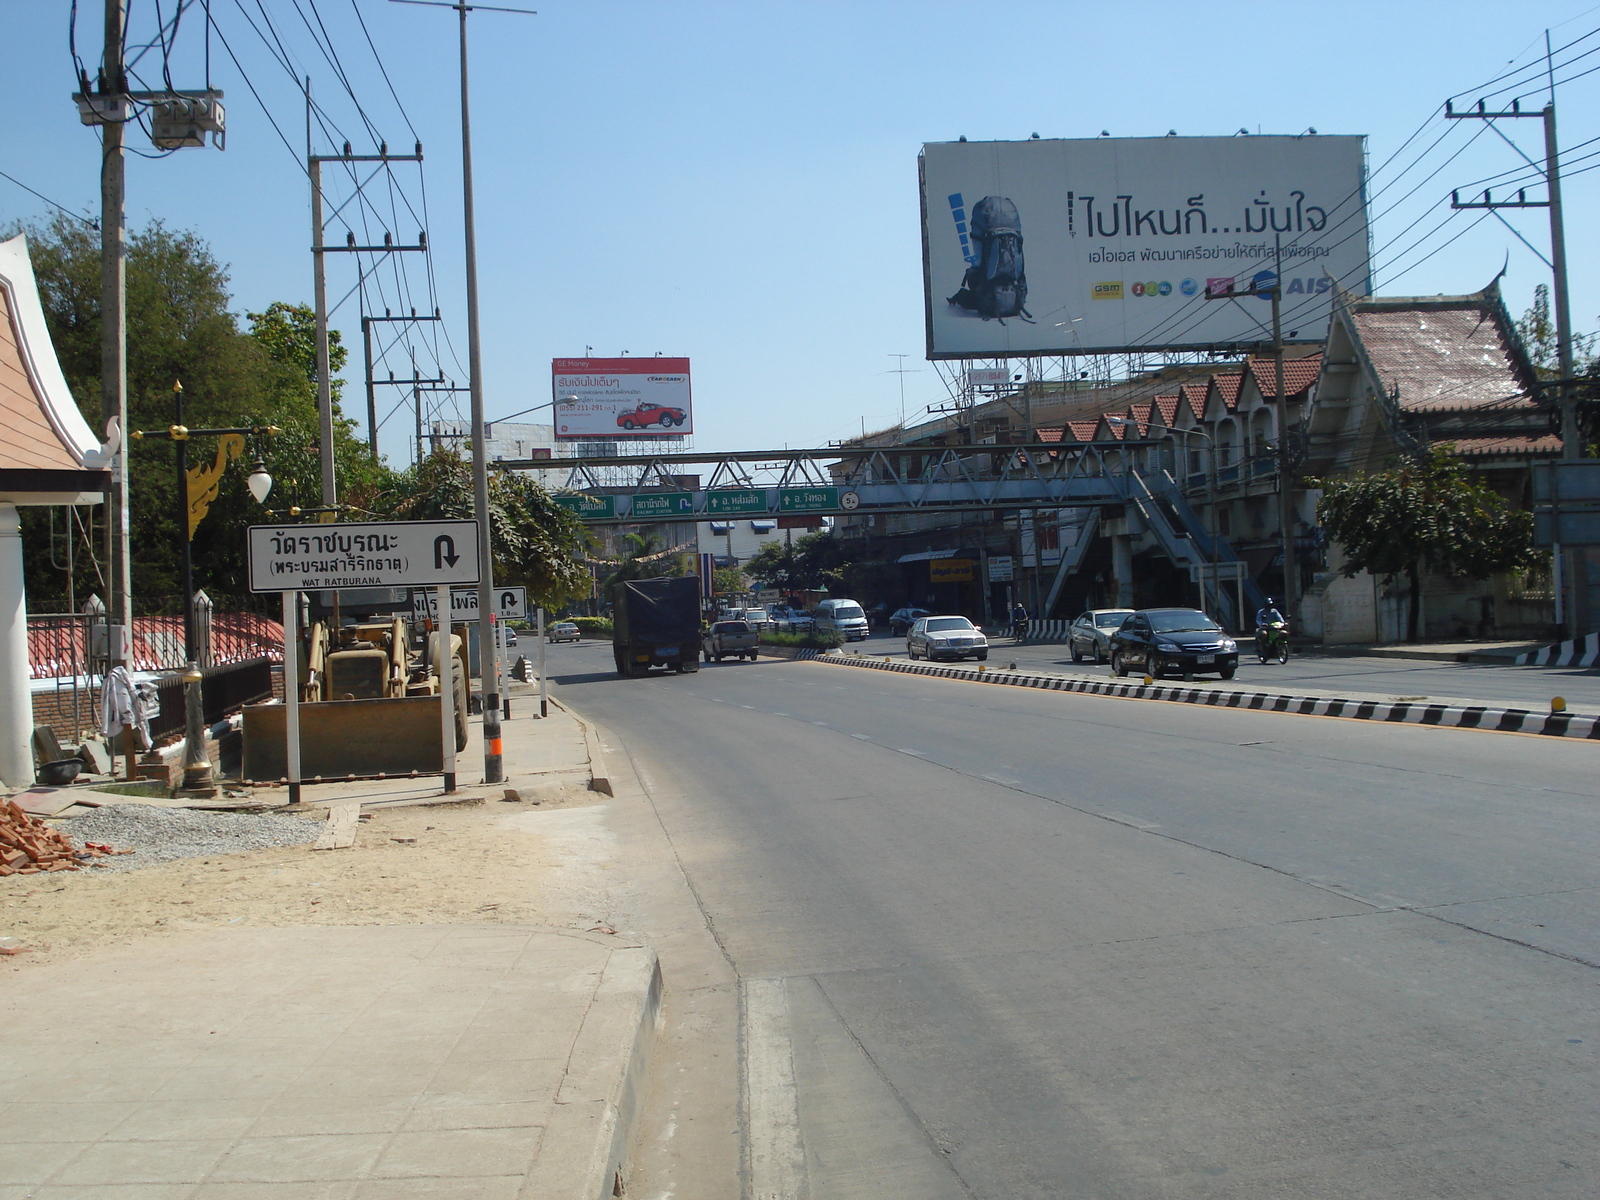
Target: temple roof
x,y
48,454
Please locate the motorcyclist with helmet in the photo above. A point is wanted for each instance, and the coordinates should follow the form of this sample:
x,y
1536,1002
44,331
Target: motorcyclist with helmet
x,y
1271,627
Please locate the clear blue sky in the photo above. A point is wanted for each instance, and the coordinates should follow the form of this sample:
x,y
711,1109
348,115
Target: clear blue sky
x,y
736,182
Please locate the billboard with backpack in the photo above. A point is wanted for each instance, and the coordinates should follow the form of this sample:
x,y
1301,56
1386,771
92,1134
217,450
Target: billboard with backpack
x,y
1101,245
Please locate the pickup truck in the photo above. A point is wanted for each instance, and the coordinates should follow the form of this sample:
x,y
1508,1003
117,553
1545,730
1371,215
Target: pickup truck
x,y
734,638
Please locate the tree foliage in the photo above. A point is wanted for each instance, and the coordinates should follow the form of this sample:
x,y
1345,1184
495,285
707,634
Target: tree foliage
x,y
181,330
534,541
1427,515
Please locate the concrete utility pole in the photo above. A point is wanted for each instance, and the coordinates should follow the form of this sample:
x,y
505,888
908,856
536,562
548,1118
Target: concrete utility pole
x,y
1576,613
372,384
114,338
330,490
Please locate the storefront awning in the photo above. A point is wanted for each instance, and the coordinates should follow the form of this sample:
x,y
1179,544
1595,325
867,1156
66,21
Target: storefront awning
x,y
928,555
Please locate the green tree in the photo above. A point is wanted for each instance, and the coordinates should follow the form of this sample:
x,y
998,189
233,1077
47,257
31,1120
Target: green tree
x,y
1427,515
811,562
181,330
1537,329
534,541
729,581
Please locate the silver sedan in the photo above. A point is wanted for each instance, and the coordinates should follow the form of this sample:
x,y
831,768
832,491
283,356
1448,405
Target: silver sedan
x,y
1090,635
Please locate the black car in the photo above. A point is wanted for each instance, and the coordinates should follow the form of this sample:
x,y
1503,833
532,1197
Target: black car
x,y
1161,640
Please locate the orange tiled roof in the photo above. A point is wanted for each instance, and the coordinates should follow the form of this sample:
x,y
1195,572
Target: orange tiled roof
x,y
1082,431
1544,445
1227,386
1298,374
1167,406
1195,394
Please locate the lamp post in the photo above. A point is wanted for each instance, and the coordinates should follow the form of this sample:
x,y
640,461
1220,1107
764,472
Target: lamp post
x,y
196,489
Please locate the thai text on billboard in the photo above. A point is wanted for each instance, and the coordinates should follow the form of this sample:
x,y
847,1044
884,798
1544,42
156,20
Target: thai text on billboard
x,y
621,397
1080,246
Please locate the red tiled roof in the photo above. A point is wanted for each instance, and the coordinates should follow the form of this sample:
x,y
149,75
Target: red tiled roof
x,y
1543,445
1441,357
1082,431
1195,394
1227,386
1049,435
1298,374
1139,413
1168,408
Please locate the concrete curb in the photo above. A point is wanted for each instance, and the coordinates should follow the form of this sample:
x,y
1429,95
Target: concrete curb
x,y
599,774
1400,712
592,1122
793,652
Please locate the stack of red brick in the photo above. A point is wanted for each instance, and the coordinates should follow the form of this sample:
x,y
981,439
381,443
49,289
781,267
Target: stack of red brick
x,y
30,847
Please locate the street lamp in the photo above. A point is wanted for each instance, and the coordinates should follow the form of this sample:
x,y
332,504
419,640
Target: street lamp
x,y
196,489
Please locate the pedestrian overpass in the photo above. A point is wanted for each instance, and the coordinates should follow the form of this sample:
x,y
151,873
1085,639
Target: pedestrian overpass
x,y
1101,479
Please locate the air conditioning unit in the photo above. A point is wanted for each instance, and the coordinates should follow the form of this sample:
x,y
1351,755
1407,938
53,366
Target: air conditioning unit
x,y
179,122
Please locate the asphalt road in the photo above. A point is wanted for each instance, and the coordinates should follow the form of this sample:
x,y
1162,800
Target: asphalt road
x,y
1509,686
1004,943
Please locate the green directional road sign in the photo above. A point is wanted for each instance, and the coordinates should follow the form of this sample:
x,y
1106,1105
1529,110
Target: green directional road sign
x,y
808,499
662,505
594,508
743,500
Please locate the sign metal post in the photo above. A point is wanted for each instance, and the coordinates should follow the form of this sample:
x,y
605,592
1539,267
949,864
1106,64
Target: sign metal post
x,y
291,692
544,692
447,691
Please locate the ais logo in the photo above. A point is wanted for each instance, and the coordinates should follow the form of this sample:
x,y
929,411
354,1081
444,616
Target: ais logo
x,y
1152,288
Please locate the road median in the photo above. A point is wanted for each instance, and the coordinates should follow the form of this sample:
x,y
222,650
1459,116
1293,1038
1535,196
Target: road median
x,y
1398,712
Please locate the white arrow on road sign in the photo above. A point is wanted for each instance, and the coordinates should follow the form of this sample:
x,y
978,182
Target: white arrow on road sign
x,y
511,604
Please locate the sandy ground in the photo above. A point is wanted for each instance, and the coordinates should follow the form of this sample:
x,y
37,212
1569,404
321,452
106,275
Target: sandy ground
x,y
470,862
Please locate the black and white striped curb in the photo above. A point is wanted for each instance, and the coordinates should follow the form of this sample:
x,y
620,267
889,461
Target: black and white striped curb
x,y
1579,652
1398,712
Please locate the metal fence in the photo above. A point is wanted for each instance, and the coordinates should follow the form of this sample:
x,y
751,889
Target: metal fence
x,y
224,688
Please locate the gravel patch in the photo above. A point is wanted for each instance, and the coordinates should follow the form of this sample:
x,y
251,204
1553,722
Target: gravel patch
x,y
157,835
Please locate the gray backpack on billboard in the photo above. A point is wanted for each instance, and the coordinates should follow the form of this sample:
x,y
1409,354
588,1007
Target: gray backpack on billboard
x,y
996,285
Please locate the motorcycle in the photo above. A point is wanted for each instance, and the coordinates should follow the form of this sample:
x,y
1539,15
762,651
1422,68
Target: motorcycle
x,y
1272,642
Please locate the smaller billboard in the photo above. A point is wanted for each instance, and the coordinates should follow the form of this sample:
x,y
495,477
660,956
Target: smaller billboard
x,y
620,397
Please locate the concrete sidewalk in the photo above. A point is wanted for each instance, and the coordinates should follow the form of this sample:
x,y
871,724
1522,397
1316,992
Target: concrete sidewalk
x,y
476,1062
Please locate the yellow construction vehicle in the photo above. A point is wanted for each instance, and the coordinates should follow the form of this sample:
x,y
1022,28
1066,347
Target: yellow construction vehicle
x,y
367,701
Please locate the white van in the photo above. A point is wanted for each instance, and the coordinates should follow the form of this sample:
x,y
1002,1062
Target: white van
x,y
844,617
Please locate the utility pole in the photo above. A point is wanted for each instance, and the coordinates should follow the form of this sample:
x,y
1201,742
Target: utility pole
x,y
114,338
372,397
1571,438
330,491
493,761
417,392
1576,613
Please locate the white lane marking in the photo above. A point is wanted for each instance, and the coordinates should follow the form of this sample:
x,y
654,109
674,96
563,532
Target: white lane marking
x,y
904,750
824,724
1002,780
751,707
779,714
862,737
776,1155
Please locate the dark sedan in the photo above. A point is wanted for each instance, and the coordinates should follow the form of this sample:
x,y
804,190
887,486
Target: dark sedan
x,y
1163,640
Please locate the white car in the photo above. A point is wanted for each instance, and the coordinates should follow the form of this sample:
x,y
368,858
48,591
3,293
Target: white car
x,y
757,617
954,638
563,631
